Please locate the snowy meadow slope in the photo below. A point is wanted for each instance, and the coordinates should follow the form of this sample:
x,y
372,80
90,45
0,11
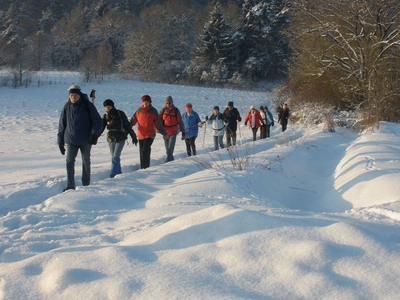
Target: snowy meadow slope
x,y
315,215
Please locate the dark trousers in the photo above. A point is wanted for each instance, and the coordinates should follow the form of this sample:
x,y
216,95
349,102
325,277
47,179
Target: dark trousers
x,y
230,137
254,133
72,152
263,132
145,151
191,146
284,124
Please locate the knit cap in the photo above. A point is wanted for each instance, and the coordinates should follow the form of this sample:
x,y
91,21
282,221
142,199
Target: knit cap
x,y
74,89
108,102
146,98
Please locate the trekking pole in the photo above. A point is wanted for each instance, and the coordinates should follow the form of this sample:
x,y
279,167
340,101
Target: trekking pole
x,y
204,136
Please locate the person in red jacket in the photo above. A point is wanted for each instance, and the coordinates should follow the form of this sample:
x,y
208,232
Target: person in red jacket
x,y
171,119
255,121
148,120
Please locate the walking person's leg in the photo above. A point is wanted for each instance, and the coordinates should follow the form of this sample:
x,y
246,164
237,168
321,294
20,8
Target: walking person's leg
x,y
233,134
85,153
188,147
215,138
254,133
147,152
228,137
193,144
141,149
115,150
167,143
72,152
171,147
221,141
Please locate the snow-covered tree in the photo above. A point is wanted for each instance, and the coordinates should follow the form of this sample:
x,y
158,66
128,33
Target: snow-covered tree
x,y
217,48
16,28
263,47
70,37
160,42
351,48
112,30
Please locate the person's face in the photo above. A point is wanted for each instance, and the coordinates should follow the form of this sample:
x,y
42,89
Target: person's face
x,y
74,97
189,110
108,108
168,104
230,107
216,111
146,103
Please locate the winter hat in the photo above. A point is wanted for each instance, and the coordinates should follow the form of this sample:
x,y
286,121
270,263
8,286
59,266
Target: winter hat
x,y
251,107
146,98
169,100
216,107
108,102
189,105
74,89
230,103
261,108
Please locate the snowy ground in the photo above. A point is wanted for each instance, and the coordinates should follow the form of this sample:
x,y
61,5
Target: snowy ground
x,y
315,215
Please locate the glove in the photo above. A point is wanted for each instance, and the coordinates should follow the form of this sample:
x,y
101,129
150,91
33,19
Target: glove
x,y
245,123
62,149
206,118
239,119
272,124
93,139
200,124
134,140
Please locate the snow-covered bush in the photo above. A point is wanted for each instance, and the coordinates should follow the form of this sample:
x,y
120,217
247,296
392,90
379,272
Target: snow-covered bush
x,y
310,114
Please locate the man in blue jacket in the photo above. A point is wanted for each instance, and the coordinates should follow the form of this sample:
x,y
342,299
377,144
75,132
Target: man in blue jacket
x,y
79,128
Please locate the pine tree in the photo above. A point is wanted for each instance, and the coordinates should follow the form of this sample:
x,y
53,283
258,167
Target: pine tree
x,y
263,49
217,48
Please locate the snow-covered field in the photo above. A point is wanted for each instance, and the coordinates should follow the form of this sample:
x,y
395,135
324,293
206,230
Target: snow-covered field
x,y
315,215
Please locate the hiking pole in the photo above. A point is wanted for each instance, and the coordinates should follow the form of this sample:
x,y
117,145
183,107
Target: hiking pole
x,y
240,135
204,136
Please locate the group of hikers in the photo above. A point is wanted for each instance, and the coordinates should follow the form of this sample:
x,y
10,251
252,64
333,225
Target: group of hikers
x,y
80,126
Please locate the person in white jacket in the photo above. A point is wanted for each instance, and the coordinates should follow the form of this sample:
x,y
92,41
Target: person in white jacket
x,y
263,127
217,128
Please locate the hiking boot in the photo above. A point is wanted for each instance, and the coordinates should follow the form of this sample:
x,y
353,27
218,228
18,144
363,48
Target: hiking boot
x,y
68,188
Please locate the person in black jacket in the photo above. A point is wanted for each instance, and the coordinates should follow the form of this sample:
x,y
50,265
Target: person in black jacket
x,y
118,127
79,128
231,117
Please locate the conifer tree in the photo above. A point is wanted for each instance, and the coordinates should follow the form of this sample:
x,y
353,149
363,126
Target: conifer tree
x,y
217,47
263,49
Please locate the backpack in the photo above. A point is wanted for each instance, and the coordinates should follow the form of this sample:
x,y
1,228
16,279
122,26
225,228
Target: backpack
x,y
176,116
